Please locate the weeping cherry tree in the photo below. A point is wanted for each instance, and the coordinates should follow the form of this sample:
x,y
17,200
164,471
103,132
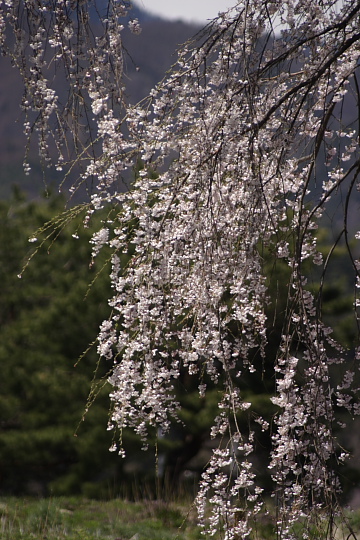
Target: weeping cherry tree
x,y
242,149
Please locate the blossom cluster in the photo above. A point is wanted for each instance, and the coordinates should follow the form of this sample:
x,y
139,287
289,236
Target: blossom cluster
x,y
229,151
55,42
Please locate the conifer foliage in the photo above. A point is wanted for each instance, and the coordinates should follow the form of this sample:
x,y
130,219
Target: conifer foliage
x,y
241,148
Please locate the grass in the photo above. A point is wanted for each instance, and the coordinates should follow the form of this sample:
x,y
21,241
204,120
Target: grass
x,y
80,519
71,518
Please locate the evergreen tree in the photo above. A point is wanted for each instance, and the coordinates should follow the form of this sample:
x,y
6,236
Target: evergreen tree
x,y
46,325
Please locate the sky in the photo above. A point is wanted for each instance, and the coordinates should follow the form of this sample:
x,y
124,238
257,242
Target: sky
x,y
198,11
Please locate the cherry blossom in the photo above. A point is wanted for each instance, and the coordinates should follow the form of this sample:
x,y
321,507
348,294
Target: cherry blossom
x,y
226,150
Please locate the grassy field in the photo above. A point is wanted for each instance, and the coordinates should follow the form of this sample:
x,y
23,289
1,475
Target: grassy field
x,y
78,519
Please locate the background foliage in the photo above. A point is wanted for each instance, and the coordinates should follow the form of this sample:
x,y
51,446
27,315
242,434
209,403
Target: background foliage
x,y
45,326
